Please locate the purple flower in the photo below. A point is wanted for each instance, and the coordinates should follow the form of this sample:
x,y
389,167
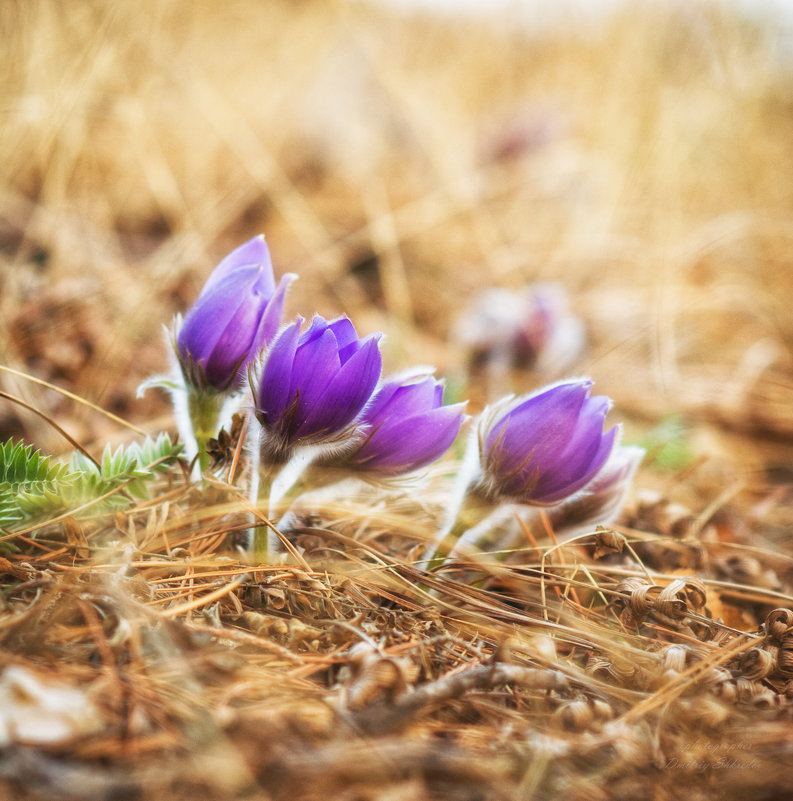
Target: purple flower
x,y
312,386
408,427
238,311
540,449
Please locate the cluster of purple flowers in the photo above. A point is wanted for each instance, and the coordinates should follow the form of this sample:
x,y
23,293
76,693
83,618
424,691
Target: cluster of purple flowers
x,y
320,386
315,387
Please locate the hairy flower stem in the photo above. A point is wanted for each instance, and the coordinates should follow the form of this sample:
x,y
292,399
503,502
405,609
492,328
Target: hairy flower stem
x,y
275,484
467,507
472,511
204,410
287,484
261,540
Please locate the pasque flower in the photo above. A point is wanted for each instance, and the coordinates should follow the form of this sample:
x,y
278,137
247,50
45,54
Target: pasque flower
x,y
540,449
238,311
312,386
407,426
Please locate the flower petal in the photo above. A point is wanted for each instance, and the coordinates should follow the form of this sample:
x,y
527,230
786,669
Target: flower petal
x,y
537,430
543,448
575,469
347,392
401,401
316,365
254,253
412,442
344,331
273,392
273,314
212,321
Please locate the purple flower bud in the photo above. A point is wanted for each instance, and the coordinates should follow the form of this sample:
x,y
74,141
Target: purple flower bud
x,y
541,448
313,385
408,426
238,311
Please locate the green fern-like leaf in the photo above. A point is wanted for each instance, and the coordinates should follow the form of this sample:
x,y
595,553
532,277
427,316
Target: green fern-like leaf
x,y
28,482
24,470
10,512
30,486
157,454
116,468
131,468
153,456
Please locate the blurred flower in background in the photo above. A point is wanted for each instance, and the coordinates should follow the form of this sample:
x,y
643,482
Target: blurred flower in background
x,y
530,329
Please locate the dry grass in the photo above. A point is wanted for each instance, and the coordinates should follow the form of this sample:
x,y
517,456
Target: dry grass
x,y
398,163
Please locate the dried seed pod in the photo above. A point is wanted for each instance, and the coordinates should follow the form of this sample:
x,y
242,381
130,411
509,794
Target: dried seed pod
x,y
306,603
716,677
711,711
668,676
671,601
758,663
222,448
767,700
727,691
743,569
376,677
642,596
628,585
622,667
655,513
749,689
777,622
379,679
266,625
708,710
542,646
302,634
601,709
631,744
785,655
276,597
695,591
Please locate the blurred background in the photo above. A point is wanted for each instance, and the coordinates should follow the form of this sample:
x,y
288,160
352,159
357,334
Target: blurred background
x,y
401,157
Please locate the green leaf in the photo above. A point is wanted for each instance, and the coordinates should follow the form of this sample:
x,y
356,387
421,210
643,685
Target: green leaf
x,y
27,478
10,512
30,486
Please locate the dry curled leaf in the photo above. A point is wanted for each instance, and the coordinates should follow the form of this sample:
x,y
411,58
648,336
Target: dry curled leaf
x,y
608,542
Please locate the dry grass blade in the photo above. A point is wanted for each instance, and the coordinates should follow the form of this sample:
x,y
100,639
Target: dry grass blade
x,y
68,437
